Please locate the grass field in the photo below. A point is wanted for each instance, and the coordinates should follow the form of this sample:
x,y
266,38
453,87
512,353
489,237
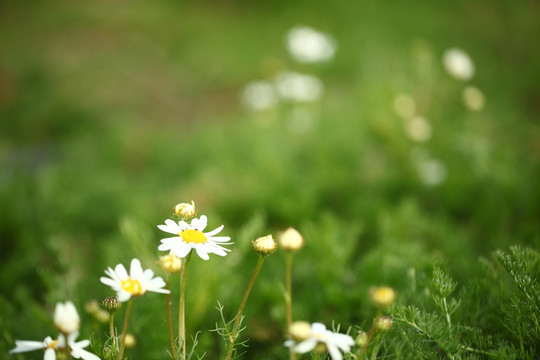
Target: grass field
x,y
112,112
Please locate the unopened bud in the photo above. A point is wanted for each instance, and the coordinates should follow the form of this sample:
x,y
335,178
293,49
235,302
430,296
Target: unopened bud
x,y
382,296
361,338
130,340
291,240
185,211
111,304
300,330
264,245
171,264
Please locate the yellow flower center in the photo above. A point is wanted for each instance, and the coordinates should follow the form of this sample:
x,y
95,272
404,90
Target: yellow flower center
x,y
132,286
52,344
193,236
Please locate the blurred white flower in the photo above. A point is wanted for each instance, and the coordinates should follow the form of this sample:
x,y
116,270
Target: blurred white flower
x,y
418,129
473,98
66,318
51,346
432,172
259,95
136,283
191,236
334,342
307,45
404,106
298,87
458,64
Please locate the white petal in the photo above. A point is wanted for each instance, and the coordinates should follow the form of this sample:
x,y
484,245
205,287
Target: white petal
x,y
147,275
214,232
79,353
182,250
108,281
26,345
221,239
306,345
333,351
123,296
81,344
135,270
121,272
183,225
50,354
317,328
200,223
201,252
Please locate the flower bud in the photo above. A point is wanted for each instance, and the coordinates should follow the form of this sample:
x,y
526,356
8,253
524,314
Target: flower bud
x,y
66,318
361,338
383,323
291,240
92,307
111,304
264,245
382,296
300,330
171,264
185,211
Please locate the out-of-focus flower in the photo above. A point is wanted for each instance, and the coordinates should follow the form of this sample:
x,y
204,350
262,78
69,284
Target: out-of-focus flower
x,y
259,95
458,64
191,236
290,240
92,307
362,338
382,296
296,87
170,263
383,323
264,245
130,340
335,343
300,330
185,211
66,318
307,45
52,346
473,98
418,128
405,106
136,283
432,172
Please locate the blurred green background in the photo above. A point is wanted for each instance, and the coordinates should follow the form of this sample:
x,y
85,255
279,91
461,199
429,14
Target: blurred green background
x,y
111,112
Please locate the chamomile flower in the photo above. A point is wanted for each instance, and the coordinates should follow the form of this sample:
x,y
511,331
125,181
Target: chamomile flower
x,y
52,346
319,335
66,318
191,236
136,283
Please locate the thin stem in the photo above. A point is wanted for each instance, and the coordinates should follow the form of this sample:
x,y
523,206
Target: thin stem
x,y
169,318
124,330
371,333
288,296
111,329
182,306
66,349
232,337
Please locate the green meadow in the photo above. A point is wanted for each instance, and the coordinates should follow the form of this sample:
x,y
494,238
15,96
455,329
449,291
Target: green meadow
x,y
395,171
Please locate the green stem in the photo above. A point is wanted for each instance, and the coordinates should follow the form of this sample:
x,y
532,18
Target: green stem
x,y
288,296
124,330
111,329
232,337
182,306
169,318
371,333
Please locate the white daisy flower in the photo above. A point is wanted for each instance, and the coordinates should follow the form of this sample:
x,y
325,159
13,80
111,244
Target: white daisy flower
x,y
334,342
136,283
458,64
52,346
307,45
191,236
296,87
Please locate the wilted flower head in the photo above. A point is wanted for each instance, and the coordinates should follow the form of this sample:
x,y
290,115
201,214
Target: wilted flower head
x,y
191,236
66,318
170,263
296,87
291,240
264,245
185,211
307,45
382,296
259,95
136,283
322,339
458,64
